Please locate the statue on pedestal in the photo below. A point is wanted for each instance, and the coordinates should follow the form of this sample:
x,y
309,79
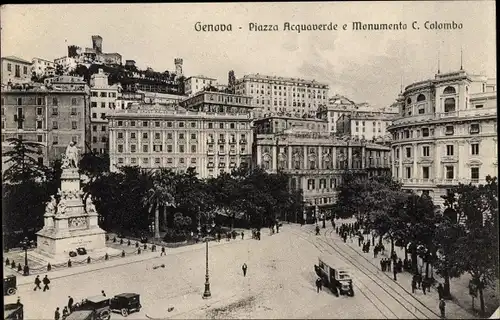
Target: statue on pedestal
x,y
89,205
51,206
70,159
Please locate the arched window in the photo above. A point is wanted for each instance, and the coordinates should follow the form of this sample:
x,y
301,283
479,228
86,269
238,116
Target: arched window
x,y
420,97
408,101
449,105
449,90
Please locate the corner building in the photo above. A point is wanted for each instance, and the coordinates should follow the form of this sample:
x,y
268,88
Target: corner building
x,y
209,131
446,133
315,162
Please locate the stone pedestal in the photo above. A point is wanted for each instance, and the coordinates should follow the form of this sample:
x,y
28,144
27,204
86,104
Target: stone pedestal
x,y
69,224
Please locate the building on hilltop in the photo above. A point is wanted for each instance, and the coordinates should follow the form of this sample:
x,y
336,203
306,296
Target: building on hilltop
x,y
445,133
15,70
272,95
42,68
195,84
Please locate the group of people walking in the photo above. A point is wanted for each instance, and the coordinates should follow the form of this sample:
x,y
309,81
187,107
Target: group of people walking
x,y
45,282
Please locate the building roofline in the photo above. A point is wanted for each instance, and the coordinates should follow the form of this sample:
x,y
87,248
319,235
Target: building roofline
x,y
16,59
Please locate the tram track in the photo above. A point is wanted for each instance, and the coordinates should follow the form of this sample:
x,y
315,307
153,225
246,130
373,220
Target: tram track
x,y
325,247
403,294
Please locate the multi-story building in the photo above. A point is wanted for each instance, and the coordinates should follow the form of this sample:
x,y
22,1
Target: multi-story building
x,y
209,131
195,84
161,98
50,116
15,70
273,95
315,162
67,64
365,125
446,133
102,101
336,107
278,124
42,68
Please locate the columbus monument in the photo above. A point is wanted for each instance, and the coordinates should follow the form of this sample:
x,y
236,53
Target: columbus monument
x,y
70,222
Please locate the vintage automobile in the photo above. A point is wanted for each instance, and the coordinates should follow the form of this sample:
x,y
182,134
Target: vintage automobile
x,y
126,303
13,311
337,280
98,304
81,251
82,315
9,285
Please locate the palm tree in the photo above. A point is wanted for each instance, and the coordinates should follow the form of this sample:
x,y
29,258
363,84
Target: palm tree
x,y
160,194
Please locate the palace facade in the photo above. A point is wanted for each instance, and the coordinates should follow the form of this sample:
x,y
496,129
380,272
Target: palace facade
x,y
446,133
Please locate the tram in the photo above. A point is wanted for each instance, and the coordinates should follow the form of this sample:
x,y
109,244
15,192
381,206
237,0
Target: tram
x,y
338,280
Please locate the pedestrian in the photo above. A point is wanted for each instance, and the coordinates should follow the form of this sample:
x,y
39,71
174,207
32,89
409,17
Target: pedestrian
x,y
319,284
413,285
382,264
244,268
57,314
18,300
242,235
440,291
424,286
70,303
65,312
419,280
163,252
103,293
400,265
442,306
37,283
46,282
395,272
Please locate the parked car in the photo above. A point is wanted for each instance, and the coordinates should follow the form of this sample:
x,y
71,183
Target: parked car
x,y
82,315
9,285
81,251
72,254
125,303
13,311
98,304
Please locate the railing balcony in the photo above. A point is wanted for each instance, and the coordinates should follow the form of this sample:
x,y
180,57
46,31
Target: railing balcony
x,y
243,141
222,141
232,141
210,141
210,152
210,165
222,165
232,152
222,152
232,165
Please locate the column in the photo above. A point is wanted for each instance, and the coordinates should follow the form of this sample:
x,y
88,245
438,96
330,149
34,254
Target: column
x,y
275,158
393,166
401,175
289,157
334,157
127,147
437,161
349,157
305,158
320,157
259,156
461,157
363,157
415,169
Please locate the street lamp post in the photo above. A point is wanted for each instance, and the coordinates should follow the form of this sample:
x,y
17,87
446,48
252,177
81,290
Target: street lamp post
x,y
207,294
25,244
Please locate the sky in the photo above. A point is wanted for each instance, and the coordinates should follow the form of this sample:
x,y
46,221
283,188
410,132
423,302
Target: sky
x,y
365,66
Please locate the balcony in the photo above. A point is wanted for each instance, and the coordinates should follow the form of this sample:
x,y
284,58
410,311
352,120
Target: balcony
x,y
222,165
210,141
222,141
210,165
243,141
222,152
232,165
211,152
232,141
232,152
471,113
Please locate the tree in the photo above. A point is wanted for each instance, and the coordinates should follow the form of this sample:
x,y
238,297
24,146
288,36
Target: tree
x,y
22,165
224,190
59,70
446,241
478,248
92,166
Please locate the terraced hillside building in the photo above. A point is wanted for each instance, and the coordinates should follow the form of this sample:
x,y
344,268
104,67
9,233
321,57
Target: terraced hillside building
x,y
446,133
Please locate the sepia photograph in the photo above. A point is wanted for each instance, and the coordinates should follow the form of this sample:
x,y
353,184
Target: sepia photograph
x,y
264,160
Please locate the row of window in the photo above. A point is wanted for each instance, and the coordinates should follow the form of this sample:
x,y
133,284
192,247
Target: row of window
x,y
182,124
103,94
288,87
41,101
182,136
450,150
170,148
449,130
449,172
180,161
103,105
311,184
17,69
